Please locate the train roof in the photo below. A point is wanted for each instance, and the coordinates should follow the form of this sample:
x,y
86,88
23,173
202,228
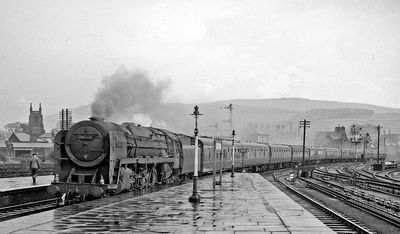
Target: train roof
x,y
280,146
210,140
325,148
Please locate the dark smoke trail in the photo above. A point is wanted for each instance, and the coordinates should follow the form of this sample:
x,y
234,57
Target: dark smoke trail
x,y
127,91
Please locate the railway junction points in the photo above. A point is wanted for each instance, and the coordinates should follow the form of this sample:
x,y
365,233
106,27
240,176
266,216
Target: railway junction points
x,y
243,204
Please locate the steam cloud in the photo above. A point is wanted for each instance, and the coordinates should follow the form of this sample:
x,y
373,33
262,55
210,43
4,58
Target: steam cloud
x,y
125,92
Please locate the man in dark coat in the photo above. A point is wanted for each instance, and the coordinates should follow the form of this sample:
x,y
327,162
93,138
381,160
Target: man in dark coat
x,y
34,166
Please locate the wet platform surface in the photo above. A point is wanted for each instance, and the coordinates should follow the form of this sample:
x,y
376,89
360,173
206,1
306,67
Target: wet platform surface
x,y
24,182
245,204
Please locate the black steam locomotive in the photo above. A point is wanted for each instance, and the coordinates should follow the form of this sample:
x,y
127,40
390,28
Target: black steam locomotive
x,y
95,157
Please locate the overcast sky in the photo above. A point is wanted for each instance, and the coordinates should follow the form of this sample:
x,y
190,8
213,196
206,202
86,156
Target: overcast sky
x,y
57,52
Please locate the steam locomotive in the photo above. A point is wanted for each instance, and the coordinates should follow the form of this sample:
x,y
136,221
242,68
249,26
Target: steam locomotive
x,y
94,157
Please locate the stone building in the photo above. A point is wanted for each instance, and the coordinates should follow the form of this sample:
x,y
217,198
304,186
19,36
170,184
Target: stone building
x,y
22,144
336,139
35,125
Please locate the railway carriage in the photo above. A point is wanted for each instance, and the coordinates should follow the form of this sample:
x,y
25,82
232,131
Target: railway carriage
x,y
318,154
297,153
280,155
332,154
95,157
347,154
251,154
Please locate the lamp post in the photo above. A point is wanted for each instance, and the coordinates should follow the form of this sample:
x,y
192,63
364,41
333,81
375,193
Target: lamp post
x,y
233,154
195,198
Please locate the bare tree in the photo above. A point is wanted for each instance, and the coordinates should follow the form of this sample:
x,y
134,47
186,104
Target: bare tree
x,y
16,127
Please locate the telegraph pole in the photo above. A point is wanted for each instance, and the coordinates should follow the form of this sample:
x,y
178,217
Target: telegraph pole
x,y
379,132
303,124
233,154
195,198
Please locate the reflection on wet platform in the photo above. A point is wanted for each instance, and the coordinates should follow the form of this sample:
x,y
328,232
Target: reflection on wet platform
x,y
250,203
24,182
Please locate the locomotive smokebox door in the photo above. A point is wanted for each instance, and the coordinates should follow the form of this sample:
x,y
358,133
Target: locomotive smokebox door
x,y
118,150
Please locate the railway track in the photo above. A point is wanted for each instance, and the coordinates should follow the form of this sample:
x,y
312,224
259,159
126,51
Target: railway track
x,y
15,211
337,222
358,201
377,186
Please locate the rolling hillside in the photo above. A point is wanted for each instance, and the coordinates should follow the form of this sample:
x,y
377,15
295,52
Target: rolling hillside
x,y
266,115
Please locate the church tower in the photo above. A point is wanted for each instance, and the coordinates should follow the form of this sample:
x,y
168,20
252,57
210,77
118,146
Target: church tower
x,y
35,126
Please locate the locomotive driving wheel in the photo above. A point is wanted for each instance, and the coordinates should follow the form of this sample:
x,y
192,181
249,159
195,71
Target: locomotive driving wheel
x,y
154,176
119,187
69,197
167,174
151,177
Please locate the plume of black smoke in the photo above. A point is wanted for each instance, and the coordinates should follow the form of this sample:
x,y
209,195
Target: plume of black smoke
x,y
126,92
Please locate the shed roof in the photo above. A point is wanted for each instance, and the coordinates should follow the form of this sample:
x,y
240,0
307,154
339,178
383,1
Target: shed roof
x,y
25,137
22,136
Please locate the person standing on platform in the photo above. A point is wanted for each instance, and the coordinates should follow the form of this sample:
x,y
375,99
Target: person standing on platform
x,y
34,166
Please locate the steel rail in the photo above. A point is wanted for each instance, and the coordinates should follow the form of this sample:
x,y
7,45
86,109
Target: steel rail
x,y
373,210
15,211
336,215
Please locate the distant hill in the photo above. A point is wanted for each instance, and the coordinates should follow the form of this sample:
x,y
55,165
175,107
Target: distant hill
x,y
267,115
303,105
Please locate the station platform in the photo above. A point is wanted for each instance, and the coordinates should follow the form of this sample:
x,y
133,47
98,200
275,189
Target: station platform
x,y
24,182
246,203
